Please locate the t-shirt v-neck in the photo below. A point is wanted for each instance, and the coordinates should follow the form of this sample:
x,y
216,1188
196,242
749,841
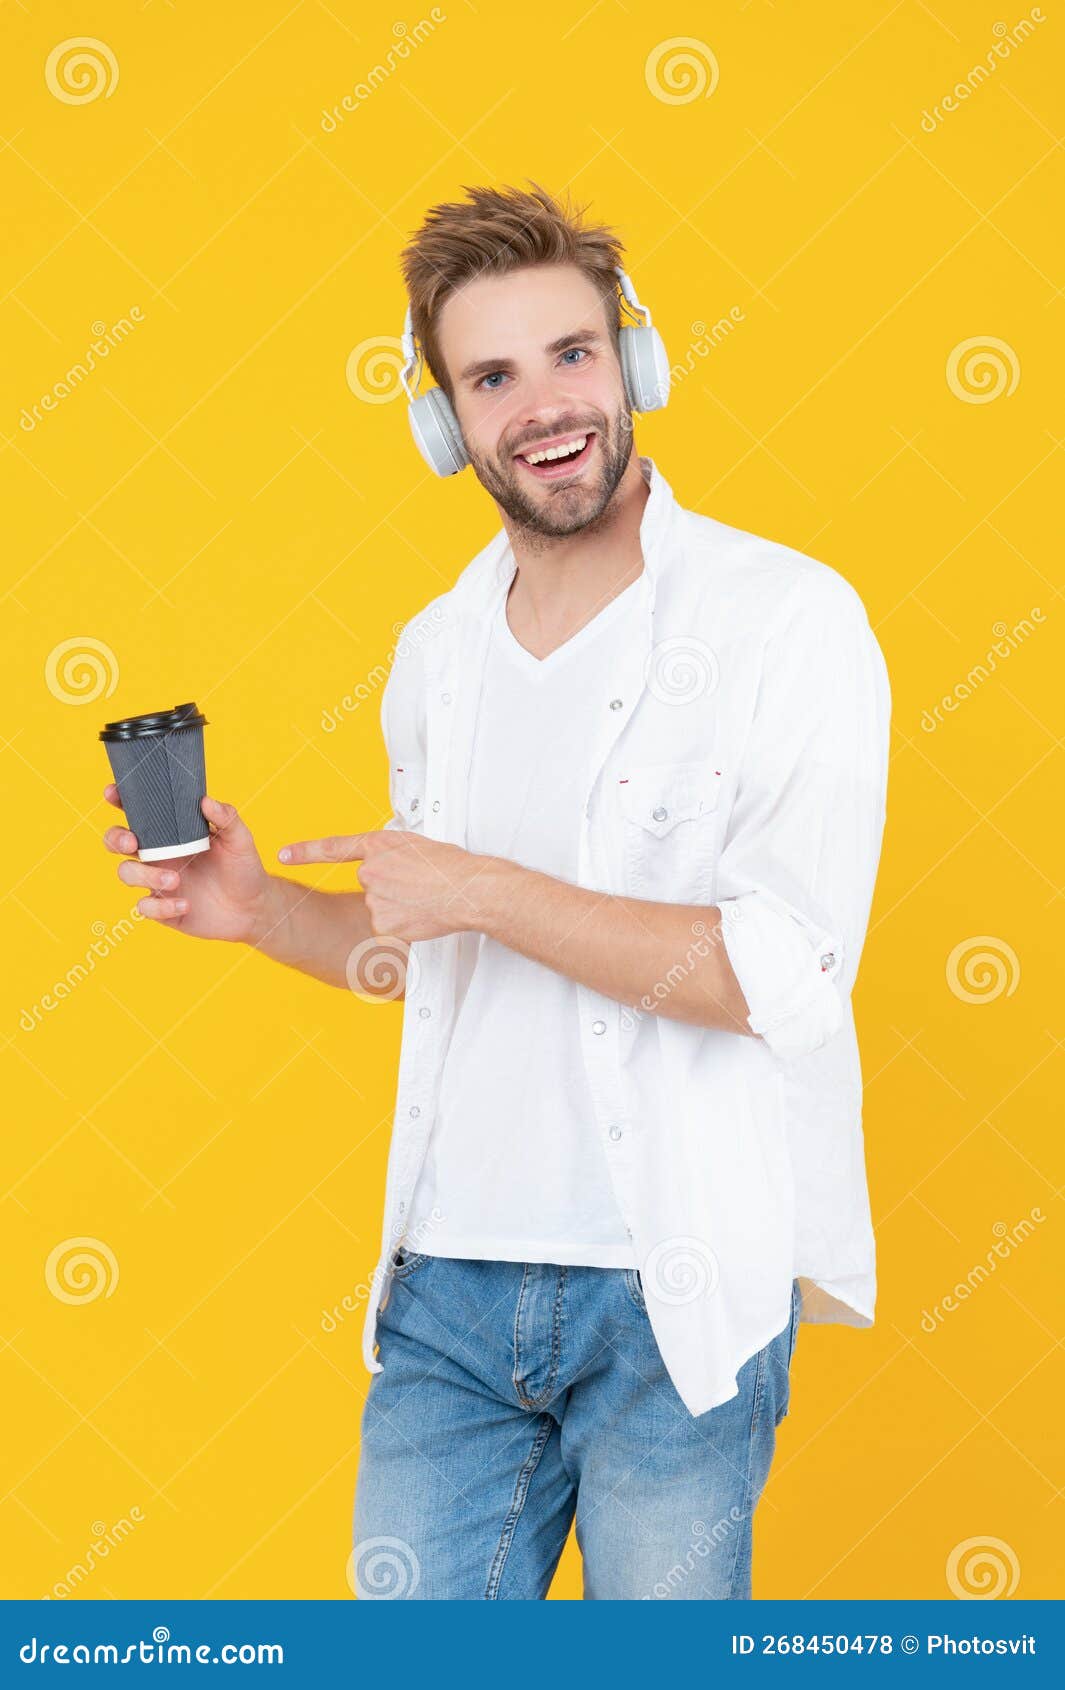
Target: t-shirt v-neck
x,y
602,619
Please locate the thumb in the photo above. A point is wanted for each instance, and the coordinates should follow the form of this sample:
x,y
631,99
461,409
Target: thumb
x,y
226,824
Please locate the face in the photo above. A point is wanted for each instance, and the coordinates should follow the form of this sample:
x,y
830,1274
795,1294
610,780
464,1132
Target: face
x,y
534,369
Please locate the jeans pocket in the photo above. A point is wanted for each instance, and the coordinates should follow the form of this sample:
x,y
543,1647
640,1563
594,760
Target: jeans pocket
x,y
634,1287
406,1262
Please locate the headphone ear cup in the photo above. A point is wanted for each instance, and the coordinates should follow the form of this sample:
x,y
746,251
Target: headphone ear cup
x,y
644,367
436,432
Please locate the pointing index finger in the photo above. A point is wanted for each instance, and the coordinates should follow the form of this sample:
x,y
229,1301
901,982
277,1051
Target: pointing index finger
x,y
338,848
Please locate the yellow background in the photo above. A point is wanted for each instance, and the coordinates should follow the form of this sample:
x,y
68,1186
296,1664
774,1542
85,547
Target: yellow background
x,y
217,509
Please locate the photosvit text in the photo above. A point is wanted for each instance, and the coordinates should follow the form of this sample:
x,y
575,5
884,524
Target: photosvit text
x,y
878,1643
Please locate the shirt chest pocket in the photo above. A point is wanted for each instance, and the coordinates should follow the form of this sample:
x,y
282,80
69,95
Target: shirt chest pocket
x,y
408,796
669,830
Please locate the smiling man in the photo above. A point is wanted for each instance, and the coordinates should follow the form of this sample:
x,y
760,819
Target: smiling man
x,y
638,764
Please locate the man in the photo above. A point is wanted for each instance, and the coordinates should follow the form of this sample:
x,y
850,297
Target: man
x,y
638,768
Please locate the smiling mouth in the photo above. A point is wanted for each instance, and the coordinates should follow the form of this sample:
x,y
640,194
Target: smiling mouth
x,y
555,462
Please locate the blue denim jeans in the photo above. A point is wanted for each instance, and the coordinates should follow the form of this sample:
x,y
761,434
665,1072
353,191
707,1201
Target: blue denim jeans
x,y
516,1396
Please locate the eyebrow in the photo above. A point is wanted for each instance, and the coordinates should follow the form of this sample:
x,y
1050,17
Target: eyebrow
x,y
488,366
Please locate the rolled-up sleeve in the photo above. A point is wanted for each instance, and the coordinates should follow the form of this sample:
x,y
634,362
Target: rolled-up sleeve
x,y
799,860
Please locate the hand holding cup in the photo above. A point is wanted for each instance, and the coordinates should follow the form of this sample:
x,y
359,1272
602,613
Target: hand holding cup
x,y
221,893
193,852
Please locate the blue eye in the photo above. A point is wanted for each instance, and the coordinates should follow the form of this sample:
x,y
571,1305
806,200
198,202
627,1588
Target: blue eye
x,y
491,382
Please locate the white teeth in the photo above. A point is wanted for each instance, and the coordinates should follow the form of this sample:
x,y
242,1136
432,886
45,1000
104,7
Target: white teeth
x,y
553,452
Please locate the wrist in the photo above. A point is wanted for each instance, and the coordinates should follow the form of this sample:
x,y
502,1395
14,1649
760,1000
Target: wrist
x,y
271,914
494,890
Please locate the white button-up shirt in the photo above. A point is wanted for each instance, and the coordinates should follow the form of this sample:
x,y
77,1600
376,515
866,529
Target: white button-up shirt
x,y
741,762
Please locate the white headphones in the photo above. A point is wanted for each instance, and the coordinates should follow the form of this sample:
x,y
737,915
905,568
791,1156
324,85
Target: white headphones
x,y
644,369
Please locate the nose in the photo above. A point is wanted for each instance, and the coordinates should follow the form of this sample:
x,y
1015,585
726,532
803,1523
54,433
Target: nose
x,y
543,396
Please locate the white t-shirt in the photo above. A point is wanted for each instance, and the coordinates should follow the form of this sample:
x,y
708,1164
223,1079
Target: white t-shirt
x,y
514,1165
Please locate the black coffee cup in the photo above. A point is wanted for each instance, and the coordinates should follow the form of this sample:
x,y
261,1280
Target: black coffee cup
x,y
158,764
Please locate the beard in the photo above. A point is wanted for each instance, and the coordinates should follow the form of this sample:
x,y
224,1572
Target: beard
x,y
560,509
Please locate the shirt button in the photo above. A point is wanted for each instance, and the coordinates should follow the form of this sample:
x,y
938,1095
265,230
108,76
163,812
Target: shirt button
x,y
414,1111
445,698
615,704
827,960
659,813
424,1013
598,1026
615,1133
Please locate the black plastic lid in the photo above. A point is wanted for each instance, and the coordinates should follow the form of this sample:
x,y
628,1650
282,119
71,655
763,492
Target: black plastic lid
x,y
156,722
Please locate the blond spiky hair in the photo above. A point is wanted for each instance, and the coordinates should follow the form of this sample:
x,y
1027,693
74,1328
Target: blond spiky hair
x,y
495,230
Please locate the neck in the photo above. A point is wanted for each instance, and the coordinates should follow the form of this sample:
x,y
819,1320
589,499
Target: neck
x,y
561,583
